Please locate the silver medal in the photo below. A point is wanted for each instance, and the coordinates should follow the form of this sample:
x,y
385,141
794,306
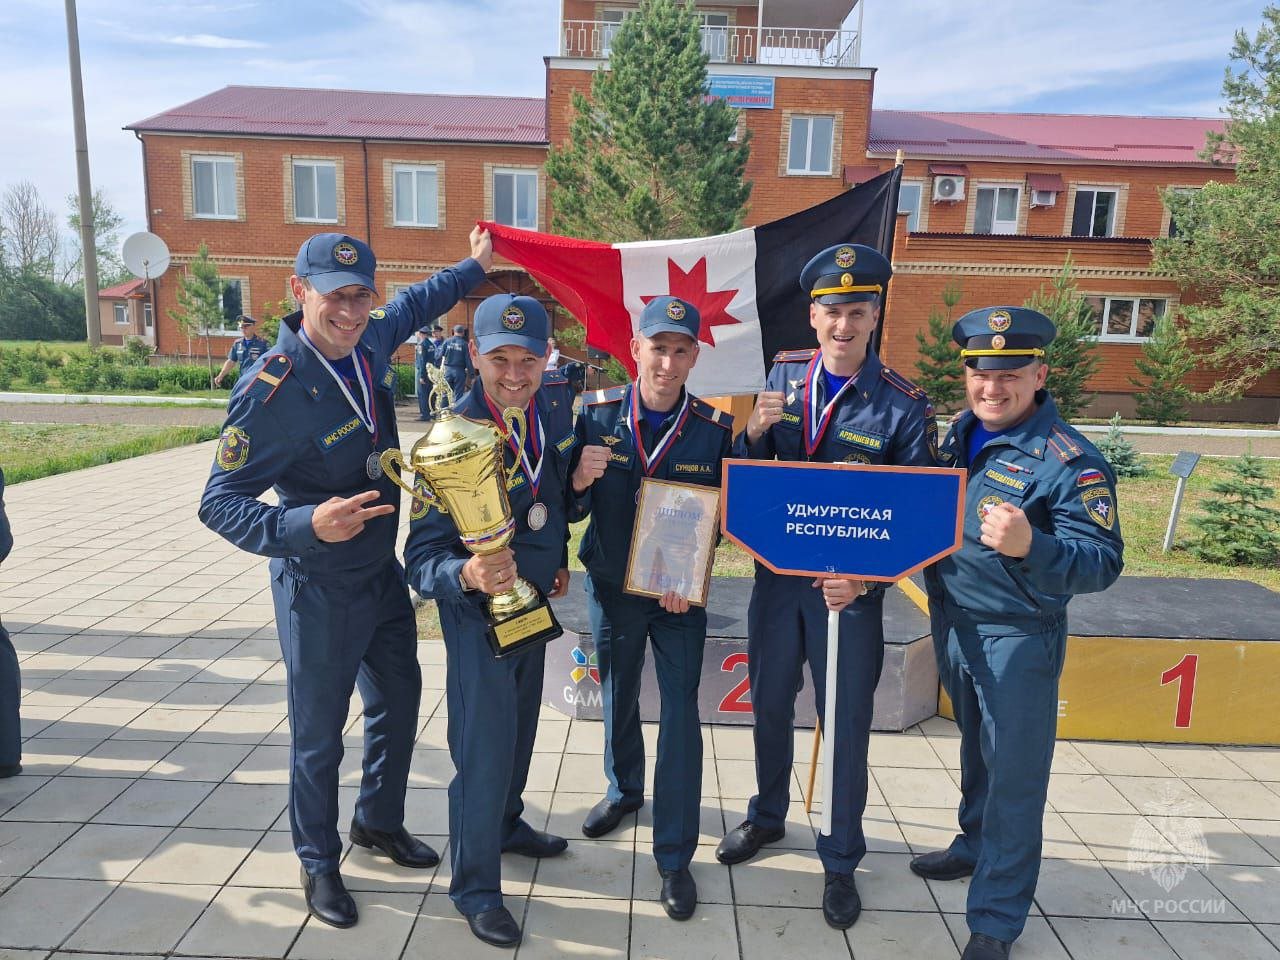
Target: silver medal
x,y
373,466
537,516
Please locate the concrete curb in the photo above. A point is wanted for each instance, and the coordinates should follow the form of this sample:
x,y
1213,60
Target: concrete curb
x,y
152,401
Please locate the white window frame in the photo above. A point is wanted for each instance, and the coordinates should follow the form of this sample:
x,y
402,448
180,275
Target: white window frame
x,y
1109,302
714,36
1112,214
808,170
415,169
148,316
1002,228
315,190
120,312
917,213
218,213
612,20
516,173
228,328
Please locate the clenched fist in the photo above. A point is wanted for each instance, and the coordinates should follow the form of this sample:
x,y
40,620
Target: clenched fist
x,y
1006,529
591,465
767,412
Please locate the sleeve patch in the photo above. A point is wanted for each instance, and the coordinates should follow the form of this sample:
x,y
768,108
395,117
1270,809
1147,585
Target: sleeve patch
x,y
1100,505
421,499
378,314
1088,478
233,449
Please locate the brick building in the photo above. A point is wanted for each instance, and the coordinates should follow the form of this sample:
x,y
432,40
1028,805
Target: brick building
x,y
994,202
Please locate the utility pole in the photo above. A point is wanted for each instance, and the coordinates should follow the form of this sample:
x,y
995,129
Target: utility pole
x,y
88,245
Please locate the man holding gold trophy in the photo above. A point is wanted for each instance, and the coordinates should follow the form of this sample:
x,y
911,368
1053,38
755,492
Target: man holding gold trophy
x,y
312,424
488,541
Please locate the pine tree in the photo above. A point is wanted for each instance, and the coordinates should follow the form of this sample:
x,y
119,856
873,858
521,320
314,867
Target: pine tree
x,y
1237,527
1072,357
1165,362
199,301
1120,453
939,368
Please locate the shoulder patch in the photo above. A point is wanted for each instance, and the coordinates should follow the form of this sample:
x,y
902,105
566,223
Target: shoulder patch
x,y
378,314
233,449
612,395
794,356
714,414
553,377
895,379
1062,445
269,378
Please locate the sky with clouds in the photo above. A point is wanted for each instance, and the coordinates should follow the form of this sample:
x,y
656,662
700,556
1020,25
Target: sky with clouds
x,y
140,57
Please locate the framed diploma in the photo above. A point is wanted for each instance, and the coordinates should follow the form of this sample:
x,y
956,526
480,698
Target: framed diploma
x,y
673,544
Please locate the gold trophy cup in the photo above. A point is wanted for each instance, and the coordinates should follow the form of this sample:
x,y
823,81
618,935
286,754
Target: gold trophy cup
x,y
459,470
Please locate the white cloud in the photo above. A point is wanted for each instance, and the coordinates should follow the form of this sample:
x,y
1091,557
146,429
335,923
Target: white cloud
x,y
212,41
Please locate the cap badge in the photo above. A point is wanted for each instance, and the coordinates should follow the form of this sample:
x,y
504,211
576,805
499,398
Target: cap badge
x,y
513,318
999,320
846,279
845,258
997,342
675,310
345,253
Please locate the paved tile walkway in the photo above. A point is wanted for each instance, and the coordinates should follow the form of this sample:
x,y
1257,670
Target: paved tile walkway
x,y
151,820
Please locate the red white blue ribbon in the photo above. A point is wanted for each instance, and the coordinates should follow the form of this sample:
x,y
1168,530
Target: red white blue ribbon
x,y
815,422
651,461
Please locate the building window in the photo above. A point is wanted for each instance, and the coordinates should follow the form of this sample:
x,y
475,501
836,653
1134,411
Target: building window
x,y
121,311
715,36
810,146
1124,318
612,20
416,196
147,317
909,196
515,198
213,187
996,210
1095,213
315,191
231,301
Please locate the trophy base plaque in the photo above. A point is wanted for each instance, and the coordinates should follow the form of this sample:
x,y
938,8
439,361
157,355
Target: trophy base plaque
x,y
526,628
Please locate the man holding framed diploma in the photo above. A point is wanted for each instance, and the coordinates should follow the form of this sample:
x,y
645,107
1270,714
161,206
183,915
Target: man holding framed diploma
x,y
649,476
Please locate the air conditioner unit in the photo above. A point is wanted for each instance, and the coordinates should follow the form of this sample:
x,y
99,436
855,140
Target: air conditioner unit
x,y
948,188
1043,198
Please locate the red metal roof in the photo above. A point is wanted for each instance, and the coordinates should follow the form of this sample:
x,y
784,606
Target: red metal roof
x,y
122,291
1041,137
356,114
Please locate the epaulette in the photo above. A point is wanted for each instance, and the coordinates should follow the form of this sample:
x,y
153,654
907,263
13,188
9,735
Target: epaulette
x,y
554,378
269,378
714,414
895,379
1061,444
611,395
794,356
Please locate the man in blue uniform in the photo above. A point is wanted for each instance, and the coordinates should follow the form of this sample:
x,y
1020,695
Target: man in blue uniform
x,y
437,344
836,404
244,351
494,703
652,428
311,424
456,362
10,678
1040,525
424,355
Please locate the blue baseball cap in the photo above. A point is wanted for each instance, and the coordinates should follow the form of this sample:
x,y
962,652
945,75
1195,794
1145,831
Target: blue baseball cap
x,y
508,320
846,273
333,260
1002,338
670,315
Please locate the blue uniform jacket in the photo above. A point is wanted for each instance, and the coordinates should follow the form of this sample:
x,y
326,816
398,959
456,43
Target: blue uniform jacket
x,y
424,353
434,555
454,353
1067,490
704,440
883,418
289,427
246,350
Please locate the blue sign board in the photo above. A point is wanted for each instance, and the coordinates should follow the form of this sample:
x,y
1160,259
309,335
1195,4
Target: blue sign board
x,y
745,93
824,519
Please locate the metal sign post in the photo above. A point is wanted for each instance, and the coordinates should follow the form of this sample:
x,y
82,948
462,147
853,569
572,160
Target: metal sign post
x,y
1183,464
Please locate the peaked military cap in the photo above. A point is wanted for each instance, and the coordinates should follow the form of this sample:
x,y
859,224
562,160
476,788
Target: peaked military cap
x,y
670,315
507,320
333,260
846,273
1002,338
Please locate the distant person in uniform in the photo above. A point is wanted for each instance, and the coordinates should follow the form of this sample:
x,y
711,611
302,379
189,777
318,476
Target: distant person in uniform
x,y
455,361
437,344
10,678
651,428
311,424
1040,525
424,355
244,352
836,404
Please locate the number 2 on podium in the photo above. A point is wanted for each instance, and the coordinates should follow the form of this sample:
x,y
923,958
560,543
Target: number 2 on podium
x,y
1184,672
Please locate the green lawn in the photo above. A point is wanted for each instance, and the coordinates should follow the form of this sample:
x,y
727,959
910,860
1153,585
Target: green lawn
x,y
32,450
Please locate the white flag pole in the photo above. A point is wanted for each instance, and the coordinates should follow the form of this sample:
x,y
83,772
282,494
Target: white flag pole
x,y
829,720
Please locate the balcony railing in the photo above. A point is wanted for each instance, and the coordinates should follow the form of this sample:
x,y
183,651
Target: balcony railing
x,y
780,46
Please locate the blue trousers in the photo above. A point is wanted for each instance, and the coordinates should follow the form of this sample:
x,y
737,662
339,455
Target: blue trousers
x,y
1003,684
337,634
493,720
10,696
456,377
423,390
620,625
787,626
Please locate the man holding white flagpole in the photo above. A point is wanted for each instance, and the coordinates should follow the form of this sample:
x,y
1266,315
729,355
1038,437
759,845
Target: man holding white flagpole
x,y
836,404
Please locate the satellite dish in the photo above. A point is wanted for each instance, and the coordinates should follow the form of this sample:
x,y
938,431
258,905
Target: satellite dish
x,y
146,255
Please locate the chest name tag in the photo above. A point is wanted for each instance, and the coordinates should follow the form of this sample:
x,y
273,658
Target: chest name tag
x,y
790,419
339,433
565,445
861,439
388,378
1012,483
620,457
689,468
516,482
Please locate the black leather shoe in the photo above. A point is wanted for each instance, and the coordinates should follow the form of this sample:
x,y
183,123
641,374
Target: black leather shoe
x,y
982,947
940,865
536,844
841,905
328,900
10,771
497,927
745,840
606,815
679,893
401,846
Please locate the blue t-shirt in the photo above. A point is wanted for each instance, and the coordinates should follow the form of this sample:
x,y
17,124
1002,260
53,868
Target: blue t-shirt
x,y
978,439
833,383
346,367
654,418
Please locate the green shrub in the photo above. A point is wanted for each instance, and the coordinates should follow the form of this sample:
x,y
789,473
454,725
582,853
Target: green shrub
x,y
1237,526
113,376
80,376
404,380
141,378
34,372
137,352
6,378
1120,452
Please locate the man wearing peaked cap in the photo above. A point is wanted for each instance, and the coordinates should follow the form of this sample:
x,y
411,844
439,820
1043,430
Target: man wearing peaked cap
x,y
836,404
244,352
1040,525
494,703
653,428
453,356
311,423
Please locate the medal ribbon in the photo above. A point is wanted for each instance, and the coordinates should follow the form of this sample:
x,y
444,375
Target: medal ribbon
x,y
650,462
815,424
367,413
536,438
